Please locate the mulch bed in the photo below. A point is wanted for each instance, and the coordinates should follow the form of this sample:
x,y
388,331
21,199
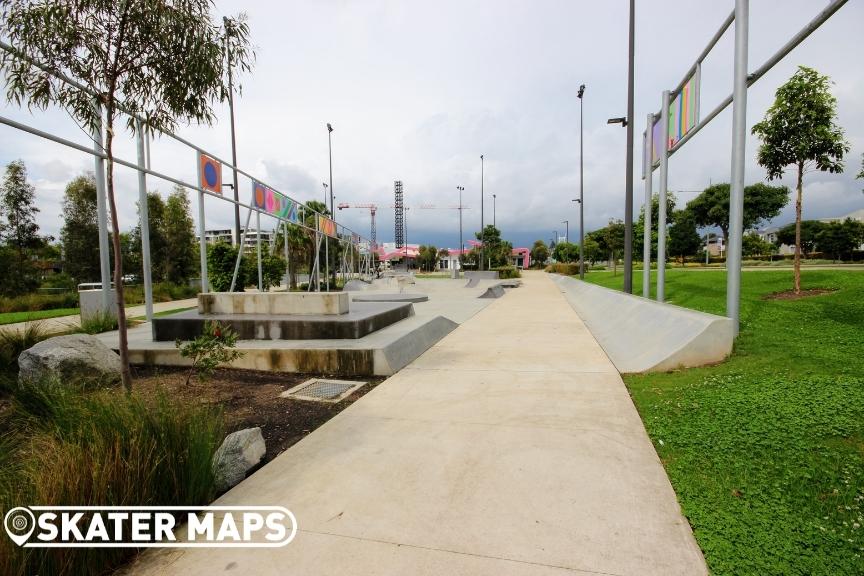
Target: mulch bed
x,y
791,295
251,398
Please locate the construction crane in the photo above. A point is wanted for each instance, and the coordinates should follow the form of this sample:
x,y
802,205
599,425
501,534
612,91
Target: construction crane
x,y
372,209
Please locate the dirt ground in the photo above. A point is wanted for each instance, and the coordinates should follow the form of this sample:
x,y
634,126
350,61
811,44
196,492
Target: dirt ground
x,y
251,398
791,295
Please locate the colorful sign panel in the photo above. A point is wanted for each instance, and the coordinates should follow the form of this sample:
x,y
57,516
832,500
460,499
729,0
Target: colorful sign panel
x,y
266,199
684,111
327,226
209,173
683,116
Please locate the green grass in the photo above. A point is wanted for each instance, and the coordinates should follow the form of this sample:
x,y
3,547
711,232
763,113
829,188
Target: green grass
x,y
163,313
15,317
766,450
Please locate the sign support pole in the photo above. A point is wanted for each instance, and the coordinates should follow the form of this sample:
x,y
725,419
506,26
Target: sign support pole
x,y
661,217
202,239
143,211
739,137
646,233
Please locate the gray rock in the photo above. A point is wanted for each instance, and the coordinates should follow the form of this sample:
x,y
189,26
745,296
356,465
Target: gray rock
x,y
76,359
239,452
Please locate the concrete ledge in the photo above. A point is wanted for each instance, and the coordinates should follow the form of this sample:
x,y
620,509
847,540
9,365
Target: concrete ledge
x,y
364,318
382,356
387,297
282,303
642,335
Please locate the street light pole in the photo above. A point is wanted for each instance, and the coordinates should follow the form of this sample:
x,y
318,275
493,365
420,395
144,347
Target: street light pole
x,y
228,31
628,201
482,244
325,193
581,191
461,244
494,221
330,154
566,230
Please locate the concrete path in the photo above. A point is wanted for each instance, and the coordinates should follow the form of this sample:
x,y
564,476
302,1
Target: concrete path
x,y
66,323
511,447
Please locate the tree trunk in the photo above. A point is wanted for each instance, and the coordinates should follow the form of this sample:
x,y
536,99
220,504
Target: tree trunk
x,y
797,266
125,373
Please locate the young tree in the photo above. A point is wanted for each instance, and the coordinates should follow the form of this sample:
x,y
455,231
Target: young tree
x,y
613,236
539,252
639,228
683,239
179,231
800,130
20,231
761,202
80,233
164,61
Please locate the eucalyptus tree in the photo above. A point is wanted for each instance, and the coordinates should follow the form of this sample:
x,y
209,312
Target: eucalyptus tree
x,y
163,61
800,129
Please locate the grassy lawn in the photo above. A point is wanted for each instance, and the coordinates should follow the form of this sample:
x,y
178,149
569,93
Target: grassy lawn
x,y
766,451
14,317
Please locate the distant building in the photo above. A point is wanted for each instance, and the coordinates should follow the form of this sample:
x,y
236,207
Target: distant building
x,y
769,234
249,241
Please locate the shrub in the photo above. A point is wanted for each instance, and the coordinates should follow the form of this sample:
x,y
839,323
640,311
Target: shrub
x,y
13,342
36,302
98,322
568,269
212,348
106,448
505,272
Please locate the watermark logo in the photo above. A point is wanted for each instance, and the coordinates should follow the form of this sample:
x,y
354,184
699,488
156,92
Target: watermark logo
x,y
150,526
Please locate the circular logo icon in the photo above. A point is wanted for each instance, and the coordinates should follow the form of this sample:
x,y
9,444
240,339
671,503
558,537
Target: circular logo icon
x,y
19,523
210,175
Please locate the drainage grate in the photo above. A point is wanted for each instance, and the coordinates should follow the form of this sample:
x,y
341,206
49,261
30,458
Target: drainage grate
x,y
319,390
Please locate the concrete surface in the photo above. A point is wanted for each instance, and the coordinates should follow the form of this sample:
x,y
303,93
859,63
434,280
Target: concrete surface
x,y
363,318
511,447
642,335
380,353
403,297
288,303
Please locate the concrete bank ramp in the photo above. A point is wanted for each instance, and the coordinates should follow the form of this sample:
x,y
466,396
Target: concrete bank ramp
x,y
642,335
496,291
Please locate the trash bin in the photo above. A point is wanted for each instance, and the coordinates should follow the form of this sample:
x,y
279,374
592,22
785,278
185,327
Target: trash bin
x,y
90,300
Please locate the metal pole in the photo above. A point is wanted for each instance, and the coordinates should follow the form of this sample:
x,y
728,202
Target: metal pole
x,y
461,243
628,185
646,233
287,259
227,24
202,243
258,250
327,261
102,212
661,218
240,251
482,244
739,137
581,190
143,214
330,155
566,230
494,210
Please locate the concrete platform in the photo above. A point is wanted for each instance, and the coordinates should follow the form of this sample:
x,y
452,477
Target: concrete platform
x,y
363,318
278,303
383,352
510,448
383,297
641,335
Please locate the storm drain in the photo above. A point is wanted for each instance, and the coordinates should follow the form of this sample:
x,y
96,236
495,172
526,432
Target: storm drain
x,y
319,390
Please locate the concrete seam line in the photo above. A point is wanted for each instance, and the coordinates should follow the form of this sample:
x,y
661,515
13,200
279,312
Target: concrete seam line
x,y
473,554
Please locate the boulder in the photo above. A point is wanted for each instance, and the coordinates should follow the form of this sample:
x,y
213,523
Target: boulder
x,y
240,452
76,359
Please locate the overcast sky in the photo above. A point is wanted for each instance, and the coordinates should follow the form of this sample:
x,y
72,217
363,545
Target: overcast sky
x,y
417,91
